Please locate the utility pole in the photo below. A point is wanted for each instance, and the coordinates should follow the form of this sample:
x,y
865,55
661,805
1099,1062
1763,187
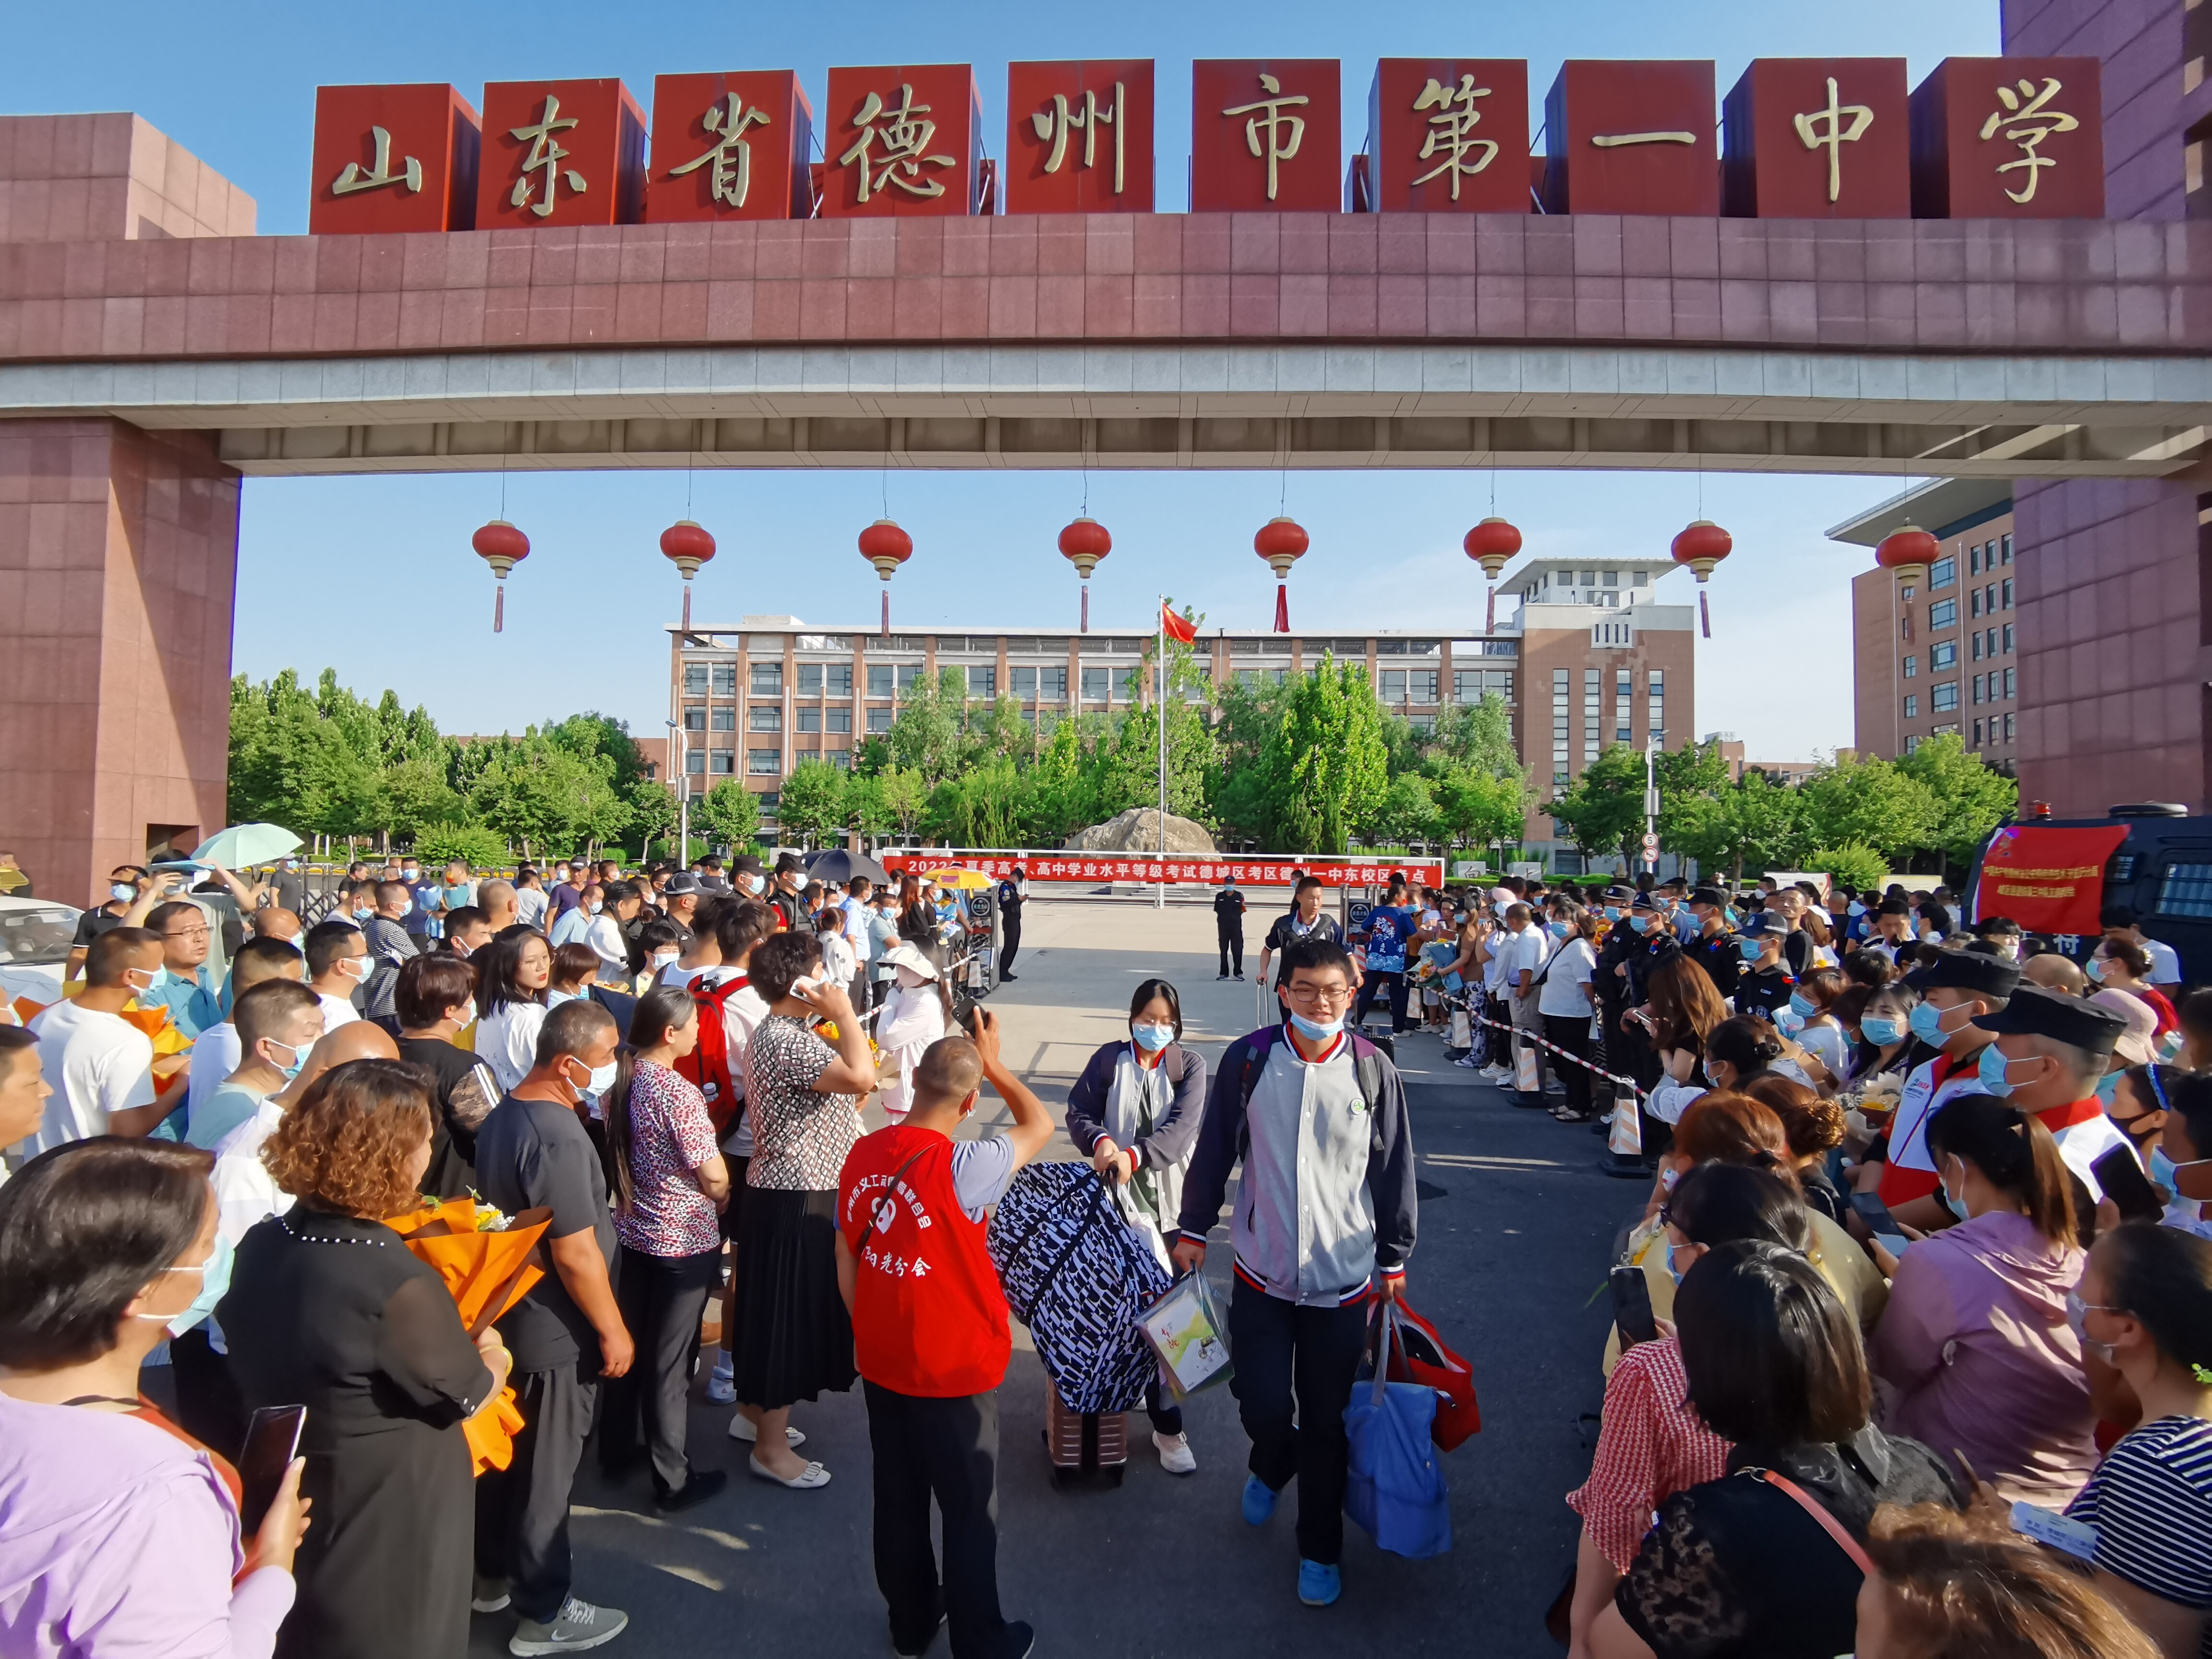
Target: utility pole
x,y
1652,802
683,800
1160,709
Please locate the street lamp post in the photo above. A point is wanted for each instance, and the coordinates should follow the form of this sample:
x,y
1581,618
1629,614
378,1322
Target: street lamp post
x,y
683,801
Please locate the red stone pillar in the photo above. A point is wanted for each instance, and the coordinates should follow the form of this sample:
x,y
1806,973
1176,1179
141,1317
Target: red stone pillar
x,y
118,559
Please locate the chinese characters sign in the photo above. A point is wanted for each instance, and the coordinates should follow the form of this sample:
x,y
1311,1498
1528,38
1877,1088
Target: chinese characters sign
x,y
1629,137
1450,135
1819,139
2008,138
902,141
393,159
1258,870
560,153
1264,135
2049,880
1079,138
731,146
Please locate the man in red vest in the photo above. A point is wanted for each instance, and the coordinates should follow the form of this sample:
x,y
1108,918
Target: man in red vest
x,y
931,1342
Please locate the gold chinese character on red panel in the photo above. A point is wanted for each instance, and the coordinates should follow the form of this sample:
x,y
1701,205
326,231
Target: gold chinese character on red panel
x,y
2010,138
1447,136
560,153
1629,136
729,146
1264,134
902,141
395,158
1079,138
1818,138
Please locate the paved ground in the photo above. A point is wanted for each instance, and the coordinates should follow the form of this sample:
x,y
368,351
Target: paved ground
x,y
1515,1224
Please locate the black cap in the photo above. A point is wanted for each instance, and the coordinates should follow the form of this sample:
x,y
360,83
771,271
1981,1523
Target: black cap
x,y
2074,1021
1711,895
1619,895
681,882
790,864
745,865
1966,970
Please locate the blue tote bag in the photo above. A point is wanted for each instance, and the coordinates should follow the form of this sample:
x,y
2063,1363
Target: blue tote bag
x,y
1395,1486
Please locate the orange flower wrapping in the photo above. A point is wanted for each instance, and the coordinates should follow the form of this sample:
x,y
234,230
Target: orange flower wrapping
x,y
486,1273
170,1045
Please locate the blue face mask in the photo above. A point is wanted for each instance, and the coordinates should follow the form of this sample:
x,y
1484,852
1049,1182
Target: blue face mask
x,y
1800,1007
160,977
1750,949
1673,1271
1153,1038
1314,1030
2108,1088
1927,1024
2161,1168
1639,923
1612,912
1881,1032
1560,930
1990,1069
215,1281
122,891
299,1058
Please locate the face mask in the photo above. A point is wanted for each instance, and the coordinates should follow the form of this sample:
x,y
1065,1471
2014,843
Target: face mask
x,y
357,968
2161,1168
299,1058
1800,1007
1881,1032
1639,923
2108,1089
2077,1318
1990,1069
1560,930
1957,1207
601,1079
467,1014
1856,910
1314,1030
1750,949
410,876
2095,968
120,892
662,958
215,1280
1927,1023
757,884
1153,1038
363,912
1673,1271
1612,912
155,981
1667,1178
595,906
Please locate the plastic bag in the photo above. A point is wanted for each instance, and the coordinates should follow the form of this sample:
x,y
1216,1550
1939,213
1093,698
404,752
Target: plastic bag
x,y
1395,1478
1186,1329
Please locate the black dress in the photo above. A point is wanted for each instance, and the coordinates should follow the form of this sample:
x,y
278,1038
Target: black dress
x,y
335,1314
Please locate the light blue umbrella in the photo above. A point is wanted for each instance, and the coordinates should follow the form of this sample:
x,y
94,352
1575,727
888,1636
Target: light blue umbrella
x,y
245,845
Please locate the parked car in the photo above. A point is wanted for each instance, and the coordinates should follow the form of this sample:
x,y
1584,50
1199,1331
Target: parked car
x,y
34,947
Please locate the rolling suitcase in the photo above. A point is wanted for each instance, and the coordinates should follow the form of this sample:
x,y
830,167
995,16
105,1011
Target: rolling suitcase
x,y
1084,1442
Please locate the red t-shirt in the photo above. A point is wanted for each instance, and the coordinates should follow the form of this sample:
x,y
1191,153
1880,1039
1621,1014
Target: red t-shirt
x,y
929,1317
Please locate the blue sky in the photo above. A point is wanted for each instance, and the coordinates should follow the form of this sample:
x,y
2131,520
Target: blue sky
x,y
374,577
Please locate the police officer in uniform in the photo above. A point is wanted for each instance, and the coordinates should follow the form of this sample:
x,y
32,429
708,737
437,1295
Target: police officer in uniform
x,y
1229,927
1013,893
1716,948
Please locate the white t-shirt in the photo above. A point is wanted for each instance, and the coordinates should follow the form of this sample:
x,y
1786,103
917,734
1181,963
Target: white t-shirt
x,y
2165,962
506,1040
1571,968
245,1192
1525,949
336,1012
216,1055
96,1064
1828,1044
530,905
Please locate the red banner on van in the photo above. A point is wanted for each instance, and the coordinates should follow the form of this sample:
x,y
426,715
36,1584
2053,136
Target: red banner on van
x,y
2049,880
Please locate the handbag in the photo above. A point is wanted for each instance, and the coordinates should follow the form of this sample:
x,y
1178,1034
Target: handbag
x,y
1394,1483
1424,1358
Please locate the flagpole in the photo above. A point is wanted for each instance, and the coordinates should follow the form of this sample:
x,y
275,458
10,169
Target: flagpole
x,y
1160,707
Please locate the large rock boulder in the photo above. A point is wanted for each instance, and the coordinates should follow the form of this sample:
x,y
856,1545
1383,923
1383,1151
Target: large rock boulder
x,y
1137,830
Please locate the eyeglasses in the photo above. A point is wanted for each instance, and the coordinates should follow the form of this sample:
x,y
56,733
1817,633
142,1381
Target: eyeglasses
x,y
186,933
1318,994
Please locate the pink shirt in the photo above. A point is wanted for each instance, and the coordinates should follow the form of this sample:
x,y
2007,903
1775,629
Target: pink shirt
x,y
1652,1445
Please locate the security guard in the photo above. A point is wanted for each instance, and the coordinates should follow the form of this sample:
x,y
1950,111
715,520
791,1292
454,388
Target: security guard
x,y
1228,925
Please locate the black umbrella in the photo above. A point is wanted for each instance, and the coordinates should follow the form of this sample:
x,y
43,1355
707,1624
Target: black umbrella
x,y
835,864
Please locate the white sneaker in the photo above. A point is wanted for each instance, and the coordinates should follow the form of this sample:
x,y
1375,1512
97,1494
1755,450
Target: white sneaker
x,y
743,1428
1175,1455
579,1624
721,1391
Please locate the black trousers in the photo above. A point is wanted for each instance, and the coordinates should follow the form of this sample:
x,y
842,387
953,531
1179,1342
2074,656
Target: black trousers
x,y
662,1297
1232,941
210,1405
947,1449
522,1510
1571,1032
1160,1406
1009,934
1367,989
1294,1372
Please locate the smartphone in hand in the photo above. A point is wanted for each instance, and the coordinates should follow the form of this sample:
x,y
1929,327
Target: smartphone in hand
x,y
1880,1222
2124,1183
1632,1306
272,1441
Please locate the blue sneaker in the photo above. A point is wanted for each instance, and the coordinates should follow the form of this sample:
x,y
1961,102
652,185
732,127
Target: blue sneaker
x,y
1258,1500
1318,1585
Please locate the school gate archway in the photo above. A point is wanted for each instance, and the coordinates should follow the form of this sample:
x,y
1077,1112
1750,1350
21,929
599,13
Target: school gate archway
x,y
142,380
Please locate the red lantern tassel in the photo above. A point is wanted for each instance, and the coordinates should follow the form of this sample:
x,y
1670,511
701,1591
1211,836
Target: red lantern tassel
x,y
499,609
1705,617
1282,607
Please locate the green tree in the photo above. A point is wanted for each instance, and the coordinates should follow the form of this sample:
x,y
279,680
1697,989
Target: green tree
x,y
412,794
1754,824
652,812
470,844
729,814
1855,865
590,735
1328,753
1870,802
1475,807
813,802
1479,735
905,796
1409,810
1970,796
865,809
926,734
1603,811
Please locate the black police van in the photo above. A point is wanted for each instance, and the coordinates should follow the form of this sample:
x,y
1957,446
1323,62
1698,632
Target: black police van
x,y
2162,871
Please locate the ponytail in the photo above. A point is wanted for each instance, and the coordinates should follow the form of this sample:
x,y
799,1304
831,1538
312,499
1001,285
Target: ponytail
x,y
2016,1153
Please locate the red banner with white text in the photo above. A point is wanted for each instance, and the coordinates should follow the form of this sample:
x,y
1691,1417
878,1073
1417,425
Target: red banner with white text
x,y
1256,870
2049,880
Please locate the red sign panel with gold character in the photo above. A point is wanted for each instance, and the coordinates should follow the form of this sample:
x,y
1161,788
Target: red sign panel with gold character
x,y
560,153
902,141
391,159
729,146
1079,137
2008,138
1450,135
1818,138
1266,134
1631,137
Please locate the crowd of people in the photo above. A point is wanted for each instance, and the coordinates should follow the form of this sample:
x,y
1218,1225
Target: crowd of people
x,y
1921,1374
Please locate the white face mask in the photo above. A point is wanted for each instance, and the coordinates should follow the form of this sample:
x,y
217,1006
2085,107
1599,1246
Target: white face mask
x,y
468,1015
357,968
601,1079
662,958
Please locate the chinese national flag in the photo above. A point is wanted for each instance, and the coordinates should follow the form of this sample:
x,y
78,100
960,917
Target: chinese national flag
x,y
1175,627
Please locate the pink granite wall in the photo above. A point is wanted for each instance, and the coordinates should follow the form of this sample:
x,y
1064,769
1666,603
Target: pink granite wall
x,y
99,178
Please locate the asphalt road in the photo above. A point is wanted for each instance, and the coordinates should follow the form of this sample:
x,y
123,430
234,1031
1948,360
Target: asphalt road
x,y
1514,1226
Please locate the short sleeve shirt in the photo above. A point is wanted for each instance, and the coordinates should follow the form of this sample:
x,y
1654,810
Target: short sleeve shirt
x,y
670,1137
800,1139
1388,930
533,1153
2150,1501
91,924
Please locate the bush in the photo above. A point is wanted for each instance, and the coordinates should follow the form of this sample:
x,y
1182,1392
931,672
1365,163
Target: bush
x,y
1854,864
477,847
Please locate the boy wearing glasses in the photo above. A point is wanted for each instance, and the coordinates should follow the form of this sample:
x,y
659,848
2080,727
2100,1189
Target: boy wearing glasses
x,y
1324,1221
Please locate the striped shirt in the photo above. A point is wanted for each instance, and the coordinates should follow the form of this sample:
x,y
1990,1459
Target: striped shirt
x,y
2150,1501
1652,1445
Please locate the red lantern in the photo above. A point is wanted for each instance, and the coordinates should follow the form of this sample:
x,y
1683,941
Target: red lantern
x,y
1908,550
1282,542
688,546
503,547
1701,546
1491,544
1083,543
887,547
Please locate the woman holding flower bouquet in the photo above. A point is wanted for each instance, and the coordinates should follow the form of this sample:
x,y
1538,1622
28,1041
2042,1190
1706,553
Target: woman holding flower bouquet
x,y
327,1309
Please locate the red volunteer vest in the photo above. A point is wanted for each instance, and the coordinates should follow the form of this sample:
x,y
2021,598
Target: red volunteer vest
x,y
929,1317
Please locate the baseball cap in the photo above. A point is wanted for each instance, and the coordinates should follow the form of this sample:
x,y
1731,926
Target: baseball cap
x,y
683,881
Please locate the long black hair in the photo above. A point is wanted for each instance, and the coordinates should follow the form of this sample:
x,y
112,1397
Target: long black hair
x,y
2017,1154
1157,988
497,986
660,1009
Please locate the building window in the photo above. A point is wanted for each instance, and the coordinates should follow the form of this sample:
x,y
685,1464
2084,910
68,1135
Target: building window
x,y
1942,574
2004,595
1978,688
2008,684
840,758
1977,647
1022,682
809,679
725,718
982,681
1624,734
1974,603
1421,684
1942,656
765,762
810,720
1911,742
1945,697
695,762
695,679
909,672
767,679
2008,559
2008,641
837,678
694,720
1094,685
1393,688
837,719
1052,683
725,679
1468,685
879,719
2008,737
1977,730
1912,668
764,720
1593,712
725,763
1562,735
879,679
1974,560
1912,709
1944,613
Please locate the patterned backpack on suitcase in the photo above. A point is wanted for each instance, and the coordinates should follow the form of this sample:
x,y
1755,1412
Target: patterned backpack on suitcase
x,y
1079,1279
